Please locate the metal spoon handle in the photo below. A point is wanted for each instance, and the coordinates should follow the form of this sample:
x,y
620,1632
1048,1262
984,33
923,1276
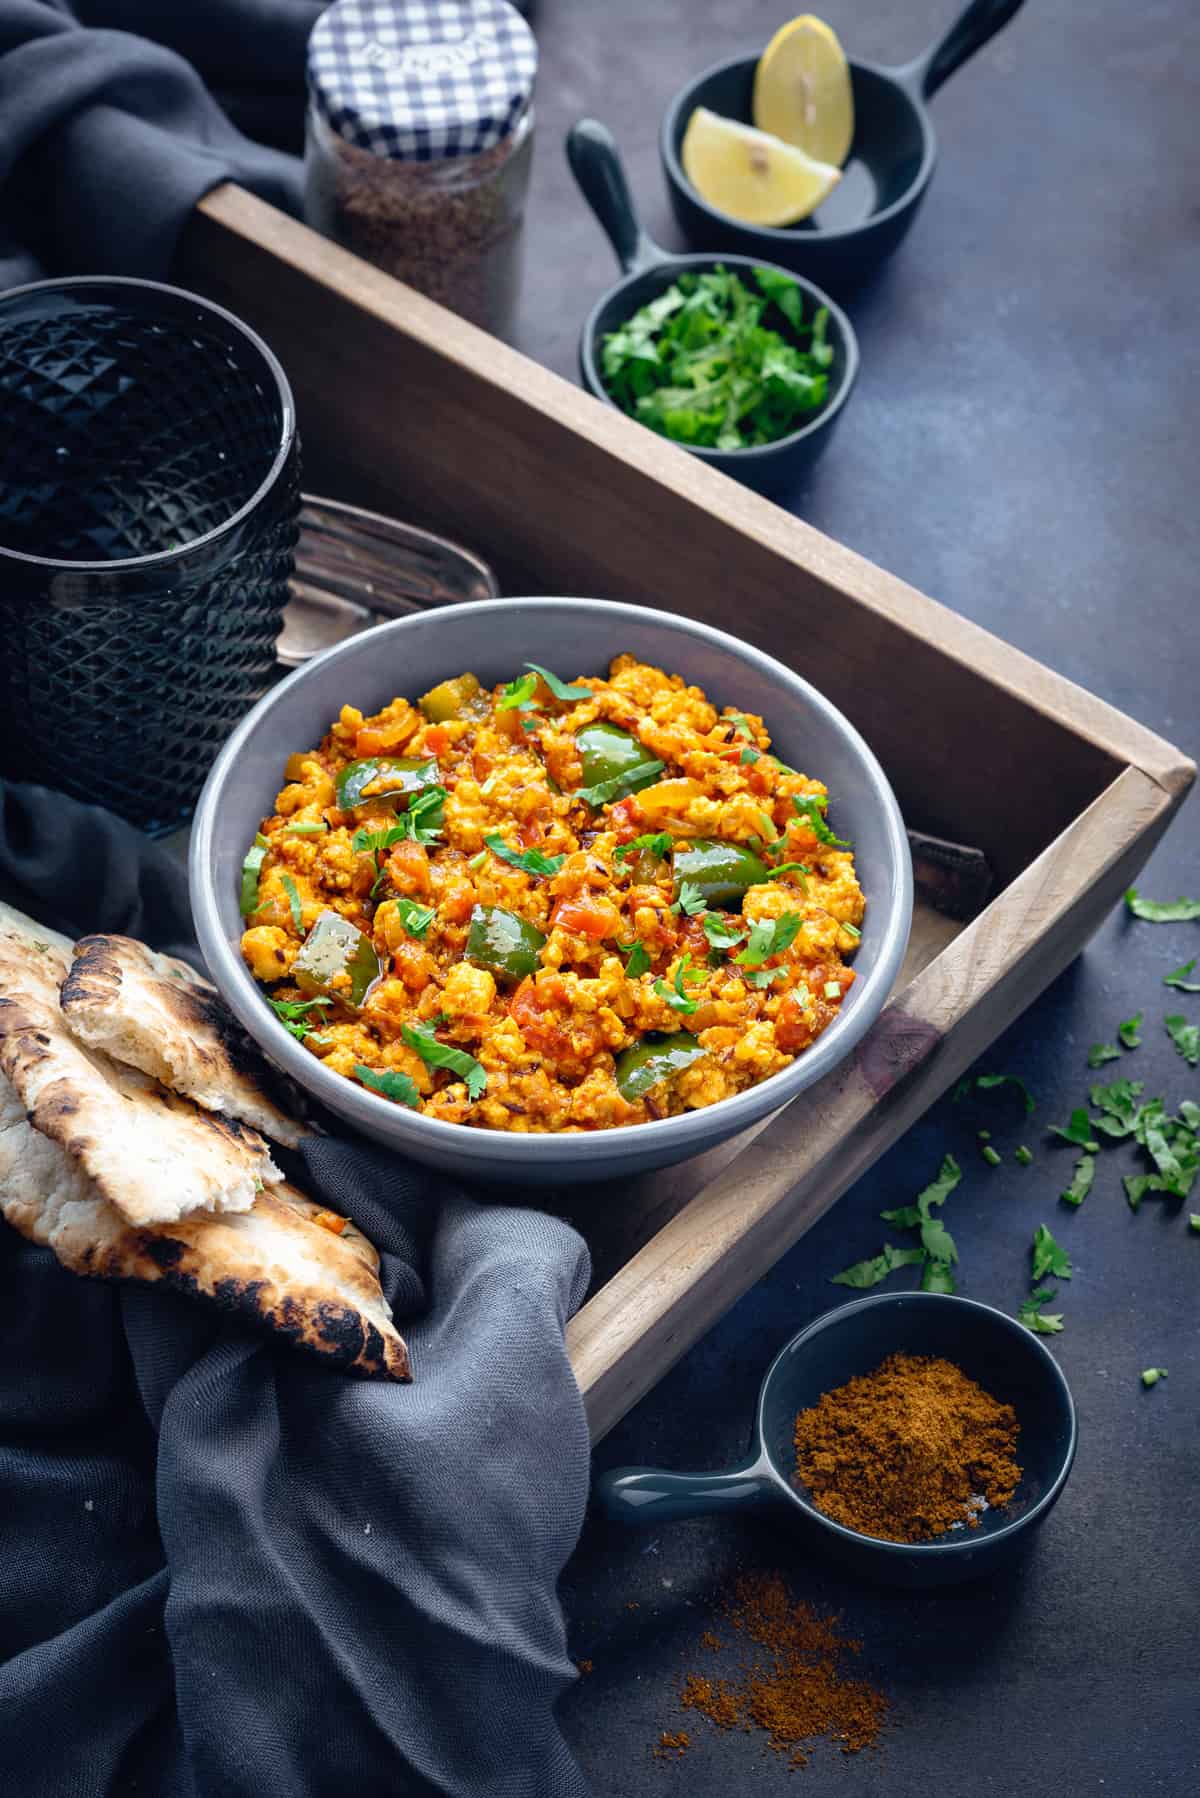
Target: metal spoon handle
x,y
597,167
645,1495
969,33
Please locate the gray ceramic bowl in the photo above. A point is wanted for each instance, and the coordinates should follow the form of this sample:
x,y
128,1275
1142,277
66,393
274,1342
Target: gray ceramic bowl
x,y
493,639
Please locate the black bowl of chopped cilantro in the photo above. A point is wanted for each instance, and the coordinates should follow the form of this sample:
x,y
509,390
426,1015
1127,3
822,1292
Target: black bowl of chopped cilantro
x,y
741,362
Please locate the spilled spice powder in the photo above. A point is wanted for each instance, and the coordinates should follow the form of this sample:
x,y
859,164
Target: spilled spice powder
x,y
795,1687
909,1451
672,1747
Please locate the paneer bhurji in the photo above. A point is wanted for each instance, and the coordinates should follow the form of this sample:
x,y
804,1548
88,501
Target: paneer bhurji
x,y
551,907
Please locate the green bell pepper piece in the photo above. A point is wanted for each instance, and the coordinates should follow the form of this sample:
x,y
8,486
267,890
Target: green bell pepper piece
x,y
608,751
503,943
336,946
646,1063
398,779
721,871
449,699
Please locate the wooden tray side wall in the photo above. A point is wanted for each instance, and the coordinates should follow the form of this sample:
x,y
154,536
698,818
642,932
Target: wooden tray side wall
x,y
404,406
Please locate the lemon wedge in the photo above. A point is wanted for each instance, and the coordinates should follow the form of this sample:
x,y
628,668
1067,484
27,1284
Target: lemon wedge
x,y
802,90
751,175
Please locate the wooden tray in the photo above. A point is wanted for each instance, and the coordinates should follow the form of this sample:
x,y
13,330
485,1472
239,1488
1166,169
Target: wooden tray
x,y
406,408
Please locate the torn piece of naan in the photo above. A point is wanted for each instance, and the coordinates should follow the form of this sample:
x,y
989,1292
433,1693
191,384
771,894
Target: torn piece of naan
x,y
316,1284
153,1155
156,1014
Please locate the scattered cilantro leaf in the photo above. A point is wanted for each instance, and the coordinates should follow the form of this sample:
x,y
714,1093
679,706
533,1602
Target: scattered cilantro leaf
x,y
530,861
517,693
1023,1155
677,998
421,1038
1164,911
812,808
690,900
1189,1112
939,1190
1138,1185
770,938
877,1267
748,757
1152,1375
1041,1323
638,961
1119,1098
559,688
391,1085
415,918
937,1276
1078,1130
721,933
1194,1220
1049,1256
293,898
655,842
937,1241
1081,1181
1099,1053
904,1217
764,977
293,1014
800,868
1186,1038
1178,977
621,785
986,1083
1130,1031
719,361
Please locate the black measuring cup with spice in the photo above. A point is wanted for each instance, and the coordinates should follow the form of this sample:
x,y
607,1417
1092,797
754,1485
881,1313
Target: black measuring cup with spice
x,y
1012,1366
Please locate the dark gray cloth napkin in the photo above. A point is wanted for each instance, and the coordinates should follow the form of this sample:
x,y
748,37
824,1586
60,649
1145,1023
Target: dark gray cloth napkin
x,y
109,134
227,1570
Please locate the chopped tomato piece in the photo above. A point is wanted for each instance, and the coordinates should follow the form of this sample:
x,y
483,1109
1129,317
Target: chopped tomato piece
x,y
408,868
437,739
590,917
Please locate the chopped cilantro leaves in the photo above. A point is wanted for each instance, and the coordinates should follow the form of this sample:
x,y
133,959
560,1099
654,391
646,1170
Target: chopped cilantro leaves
x,y
655,842
690,900
812,808
293,898
870,1272
390,1084
770,938
518,693
415,918
421,1038
676,997
1077,1131
1041,1323
1081,1181
1130,1031
530,861
721,933
1049,1256
559,688
1099,1053
621,785
1186,1038
1167,911
638,961
1178,978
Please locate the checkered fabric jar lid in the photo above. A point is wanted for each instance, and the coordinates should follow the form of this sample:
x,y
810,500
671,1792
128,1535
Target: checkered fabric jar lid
x,y
422,80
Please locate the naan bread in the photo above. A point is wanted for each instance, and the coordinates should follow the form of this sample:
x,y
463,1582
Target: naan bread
x,y
271,1264
156,1014
151,1154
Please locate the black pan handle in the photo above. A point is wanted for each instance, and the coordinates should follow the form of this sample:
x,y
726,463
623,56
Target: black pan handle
x,y
970,32
597,167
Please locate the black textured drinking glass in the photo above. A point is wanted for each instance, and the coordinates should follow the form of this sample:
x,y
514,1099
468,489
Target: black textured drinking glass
x,y
149,493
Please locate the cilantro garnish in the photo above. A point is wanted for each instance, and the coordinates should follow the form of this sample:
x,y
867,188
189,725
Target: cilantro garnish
x,y
986,1083
292,1014
721,933
748,757
621,785
1049,1256
1162,911
1178,978
1042,1323
1077,1131
690,900
1152,1375
1099,1053
531,861
391,1085
293,897
1130,1031
740,723
770,938
560,689
800,868
655,842
677,998
715,363
421,1038
1081,1181
936,1193
1186,1038
870,1272
638,961
518,693
936,1276
415,918
256,855
812,808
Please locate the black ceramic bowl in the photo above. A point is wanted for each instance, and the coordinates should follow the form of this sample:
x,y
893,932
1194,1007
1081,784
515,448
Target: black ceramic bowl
x,y
886,174
649,271
992,1348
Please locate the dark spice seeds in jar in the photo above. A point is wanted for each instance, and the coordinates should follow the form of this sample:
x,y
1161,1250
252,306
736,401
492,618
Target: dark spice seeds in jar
x,y
419,145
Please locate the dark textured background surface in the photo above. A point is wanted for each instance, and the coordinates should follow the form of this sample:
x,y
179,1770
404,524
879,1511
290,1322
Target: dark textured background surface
x,y
1023,445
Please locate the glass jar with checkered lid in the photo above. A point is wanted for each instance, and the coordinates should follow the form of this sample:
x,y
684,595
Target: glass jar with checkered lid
x,y
419,143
